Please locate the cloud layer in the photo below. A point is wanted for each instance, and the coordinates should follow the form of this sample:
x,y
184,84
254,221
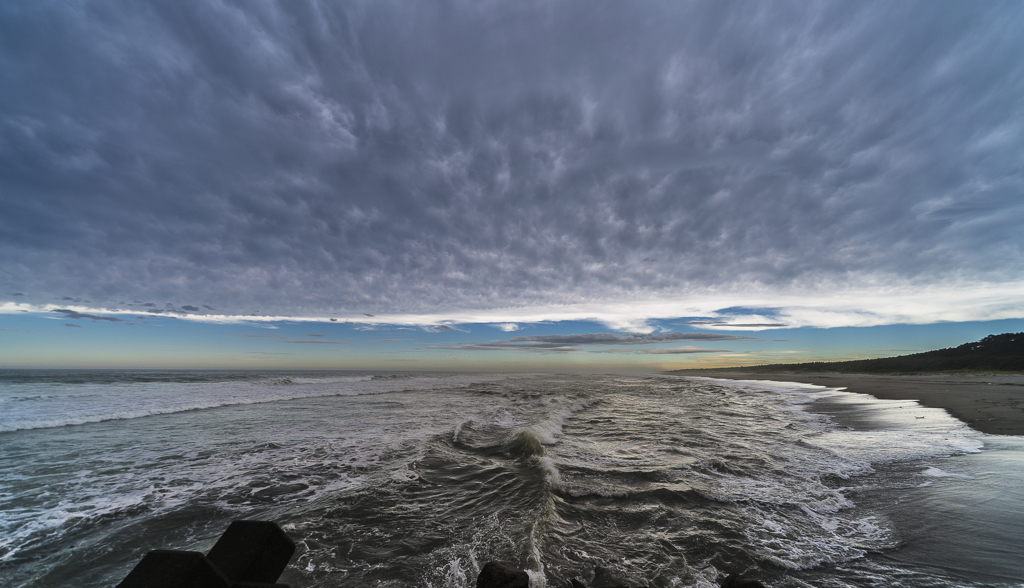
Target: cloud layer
x,y
571,343
401,158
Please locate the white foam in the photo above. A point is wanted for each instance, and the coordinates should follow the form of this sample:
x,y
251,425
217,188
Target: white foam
x,y
137,400
168,467
331,380
934,472
550,429
782,542
503,418
537,577
551,474
458,430
818,447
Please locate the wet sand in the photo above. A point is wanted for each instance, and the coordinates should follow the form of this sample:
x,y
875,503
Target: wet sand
x,y
988,403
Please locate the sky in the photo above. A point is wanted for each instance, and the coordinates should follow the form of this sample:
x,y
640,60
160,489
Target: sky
x,y
506,185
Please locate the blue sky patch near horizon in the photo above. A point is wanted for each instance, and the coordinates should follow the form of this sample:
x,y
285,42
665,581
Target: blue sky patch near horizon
x,y
160,342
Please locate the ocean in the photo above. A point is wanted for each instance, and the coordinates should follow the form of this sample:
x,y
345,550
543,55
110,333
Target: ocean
x,y
418,479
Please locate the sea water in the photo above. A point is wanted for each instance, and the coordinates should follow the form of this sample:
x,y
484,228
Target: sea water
x,y
404,479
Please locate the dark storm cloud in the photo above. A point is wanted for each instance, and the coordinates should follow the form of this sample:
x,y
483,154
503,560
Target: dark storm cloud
x,y
680,351
728,324
343,157
71,314
624,339
562,343
658,351
318,342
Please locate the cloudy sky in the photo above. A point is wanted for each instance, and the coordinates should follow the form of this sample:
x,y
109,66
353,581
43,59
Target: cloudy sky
x,y
606,169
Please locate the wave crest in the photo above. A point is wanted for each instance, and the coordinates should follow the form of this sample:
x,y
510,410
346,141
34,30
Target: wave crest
x,y
525,444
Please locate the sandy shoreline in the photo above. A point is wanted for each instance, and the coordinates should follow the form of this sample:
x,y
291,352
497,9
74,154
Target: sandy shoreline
x,y
991,404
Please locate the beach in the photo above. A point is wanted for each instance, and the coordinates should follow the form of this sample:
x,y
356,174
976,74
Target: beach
x,y
991,404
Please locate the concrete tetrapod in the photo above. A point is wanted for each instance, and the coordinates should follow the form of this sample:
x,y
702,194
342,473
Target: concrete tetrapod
x,y
249,554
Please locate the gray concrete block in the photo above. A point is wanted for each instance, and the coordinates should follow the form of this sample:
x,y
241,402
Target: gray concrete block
x,y
252,551
163,568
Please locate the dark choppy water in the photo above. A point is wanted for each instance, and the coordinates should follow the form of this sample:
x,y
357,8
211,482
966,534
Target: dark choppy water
x,y
417,480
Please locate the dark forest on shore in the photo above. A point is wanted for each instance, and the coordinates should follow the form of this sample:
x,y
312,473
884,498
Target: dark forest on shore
x,y
995,353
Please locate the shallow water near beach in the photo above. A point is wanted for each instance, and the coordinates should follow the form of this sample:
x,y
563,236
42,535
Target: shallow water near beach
x,y
398,479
